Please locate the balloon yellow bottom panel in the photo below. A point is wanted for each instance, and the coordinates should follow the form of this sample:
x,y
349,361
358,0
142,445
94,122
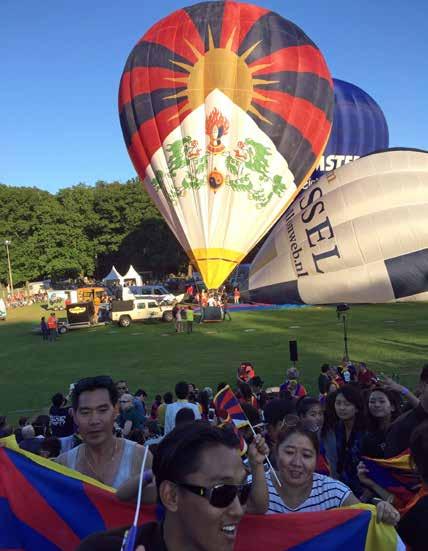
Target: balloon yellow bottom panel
x,y
215,264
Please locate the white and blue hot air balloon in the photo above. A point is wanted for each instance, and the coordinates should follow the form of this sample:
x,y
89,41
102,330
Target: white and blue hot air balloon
x,y
359,128
358,235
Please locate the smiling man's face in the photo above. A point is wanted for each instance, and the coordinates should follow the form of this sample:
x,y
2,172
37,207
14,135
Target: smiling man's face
x,y
205,527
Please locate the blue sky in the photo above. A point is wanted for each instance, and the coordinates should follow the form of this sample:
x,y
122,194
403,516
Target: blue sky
x,y
61,62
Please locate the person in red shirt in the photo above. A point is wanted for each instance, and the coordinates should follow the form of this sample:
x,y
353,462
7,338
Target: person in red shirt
x,y
52,326
236,295
366,378
245,372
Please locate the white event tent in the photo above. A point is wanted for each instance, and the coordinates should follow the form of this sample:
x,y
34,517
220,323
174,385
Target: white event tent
x,y
134,276
113,276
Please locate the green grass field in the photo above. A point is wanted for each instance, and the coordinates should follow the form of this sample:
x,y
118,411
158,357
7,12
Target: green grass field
x,y
390,338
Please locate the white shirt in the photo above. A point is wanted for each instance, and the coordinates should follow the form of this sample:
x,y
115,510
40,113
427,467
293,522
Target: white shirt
x,y
326,494
174,408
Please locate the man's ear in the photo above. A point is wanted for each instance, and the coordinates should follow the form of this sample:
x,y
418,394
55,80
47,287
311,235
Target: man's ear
x,y
168,495
73,413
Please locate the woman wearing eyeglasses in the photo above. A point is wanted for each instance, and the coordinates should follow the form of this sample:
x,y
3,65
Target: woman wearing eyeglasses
x,y
301,489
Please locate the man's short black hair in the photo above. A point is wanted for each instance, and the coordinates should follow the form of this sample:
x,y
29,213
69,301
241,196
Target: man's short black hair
x,y
57,399
183,416
325,368
168,398
141,392
93,383
181,390
178,455
277,409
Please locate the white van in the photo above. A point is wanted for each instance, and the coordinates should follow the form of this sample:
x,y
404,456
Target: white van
x,y
3,311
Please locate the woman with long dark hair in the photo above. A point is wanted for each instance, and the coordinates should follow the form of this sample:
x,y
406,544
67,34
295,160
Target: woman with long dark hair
x,y
350,428
383,407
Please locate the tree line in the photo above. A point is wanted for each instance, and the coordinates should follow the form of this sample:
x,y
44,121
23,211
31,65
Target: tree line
x,y
83,230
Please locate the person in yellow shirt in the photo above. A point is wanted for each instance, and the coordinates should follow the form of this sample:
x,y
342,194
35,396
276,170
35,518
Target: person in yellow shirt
x,y
168,398
190,316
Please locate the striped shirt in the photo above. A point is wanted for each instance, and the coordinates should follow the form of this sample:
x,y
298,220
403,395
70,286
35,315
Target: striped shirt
x,y
326,494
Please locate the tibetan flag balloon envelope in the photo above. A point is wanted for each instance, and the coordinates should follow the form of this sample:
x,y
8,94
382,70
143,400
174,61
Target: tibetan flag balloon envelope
x,y
358,235
225,109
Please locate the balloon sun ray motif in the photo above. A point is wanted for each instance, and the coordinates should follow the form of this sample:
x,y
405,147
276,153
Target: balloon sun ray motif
x,y
223,122
221,57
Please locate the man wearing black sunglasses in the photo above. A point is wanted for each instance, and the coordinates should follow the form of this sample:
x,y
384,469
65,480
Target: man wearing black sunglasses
x,y
202,486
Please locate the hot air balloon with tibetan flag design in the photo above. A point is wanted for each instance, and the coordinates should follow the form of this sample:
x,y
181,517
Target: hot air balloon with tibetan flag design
x,y
225,110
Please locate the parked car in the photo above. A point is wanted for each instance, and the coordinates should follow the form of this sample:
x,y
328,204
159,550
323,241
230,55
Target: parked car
x,y
3,311
157,292
124,312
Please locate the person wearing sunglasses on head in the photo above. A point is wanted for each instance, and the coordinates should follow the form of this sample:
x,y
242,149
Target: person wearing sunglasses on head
x,y
202,486
304,490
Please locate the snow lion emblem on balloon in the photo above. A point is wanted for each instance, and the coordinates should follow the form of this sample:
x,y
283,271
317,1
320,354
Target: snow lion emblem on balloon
x,y
244,166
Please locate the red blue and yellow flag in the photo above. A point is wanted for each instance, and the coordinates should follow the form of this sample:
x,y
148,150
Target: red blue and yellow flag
x,y
225,400
395,475
44,506
352,528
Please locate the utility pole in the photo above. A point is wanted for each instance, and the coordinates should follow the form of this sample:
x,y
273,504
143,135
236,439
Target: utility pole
x,y
7,243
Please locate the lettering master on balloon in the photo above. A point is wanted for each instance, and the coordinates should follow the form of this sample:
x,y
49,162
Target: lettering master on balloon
x,y
317,232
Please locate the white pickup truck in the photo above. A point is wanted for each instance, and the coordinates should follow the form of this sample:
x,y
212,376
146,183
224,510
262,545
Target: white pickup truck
x,y
124,312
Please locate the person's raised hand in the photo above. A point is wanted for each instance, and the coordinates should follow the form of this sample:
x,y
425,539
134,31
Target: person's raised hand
x,y
258,450
362,474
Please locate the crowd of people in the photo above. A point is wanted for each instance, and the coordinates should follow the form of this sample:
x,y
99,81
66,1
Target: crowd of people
x,y
301,453
20,298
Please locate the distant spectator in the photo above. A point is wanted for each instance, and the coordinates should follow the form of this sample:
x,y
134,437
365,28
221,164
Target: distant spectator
x,y
41,426
139,401
168,398
22,421
60,418
398,435
155,406
44,328
366,378
292,384
30,442
53,327
130,418
236,295
121,387
182,393
190,316
324,379
245,372
51,447
256,385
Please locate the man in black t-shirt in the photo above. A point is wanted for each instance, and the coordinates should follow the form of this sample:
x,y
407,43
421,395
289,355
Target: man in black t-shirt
x,y
61,421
